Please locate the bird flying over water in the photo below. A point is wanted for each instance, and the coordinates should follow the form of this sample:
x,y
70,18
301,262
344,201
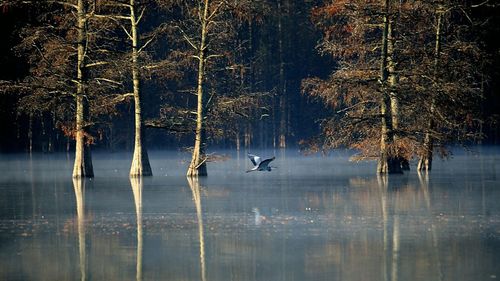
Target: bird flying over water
x,y
258,164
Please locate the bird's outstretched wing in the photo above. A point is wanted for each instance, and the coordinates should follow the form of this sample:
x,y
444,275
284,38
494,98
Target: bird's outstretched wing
x,y
266,162
254,158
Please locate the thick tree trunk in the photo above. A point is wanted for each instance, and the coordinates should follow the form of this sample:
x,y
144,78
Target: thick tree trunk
x,y
387,162
140,161
198,166
425,161
394,95
83,161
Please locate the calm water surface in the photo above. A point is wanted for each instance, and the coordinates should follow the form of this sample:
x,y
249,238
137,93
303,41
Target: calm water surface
x,y
313,218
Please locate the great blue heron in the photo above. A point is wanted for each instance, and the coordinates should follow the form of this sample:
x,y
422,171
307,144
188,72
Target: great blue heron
x,y
258,164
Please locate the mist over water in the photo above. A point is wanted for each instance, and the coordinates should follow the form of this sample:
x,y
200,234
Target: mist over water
x,y
311,218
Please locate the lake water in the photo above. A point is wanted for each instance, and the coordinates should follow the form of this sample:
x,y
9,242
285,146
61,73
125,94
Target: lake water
x,y
312,218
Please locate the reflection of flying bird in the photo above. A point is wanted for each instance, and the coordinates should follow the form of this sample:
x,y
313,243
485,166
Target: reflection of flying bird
x,y
258,217
260,165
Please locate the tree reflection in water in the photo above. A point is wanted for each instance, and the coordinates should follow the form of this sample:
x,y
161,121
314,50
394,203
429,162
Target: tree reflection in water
x,y
423,178
440,226
382,185
195,189
137,187
79,187
392,249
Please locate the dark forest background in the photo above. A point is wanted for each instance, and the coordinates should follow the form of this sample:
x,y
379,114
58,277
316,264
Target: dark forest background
x,y
278,51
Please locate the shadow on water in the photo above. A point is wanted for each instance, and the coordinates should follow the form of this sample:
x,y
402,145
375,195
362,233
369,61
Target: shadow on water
x,y
313,218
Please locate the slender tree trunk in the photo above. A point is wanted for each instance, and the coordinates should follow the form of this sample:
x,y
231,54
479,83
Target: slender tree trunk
x,y
30,133
425,161
238,141
283,104
198,166
52,140
83,161
140,161
248,136
43,138
387,162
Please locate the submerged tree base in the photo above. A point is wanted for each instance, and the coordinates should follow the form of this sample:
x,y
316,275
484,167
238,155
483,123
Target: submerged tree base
x,y
389,165
425,164
137,171
83,173
197,170
83,163
140,165
405,164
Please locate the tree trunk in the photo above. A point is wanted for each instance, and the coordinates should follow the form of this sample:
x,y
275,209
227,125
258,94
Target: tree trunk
x,y
198,166
83,161
394,95
387,162
283,103
238,141
140,161
425,161
52,139
30,133
248,136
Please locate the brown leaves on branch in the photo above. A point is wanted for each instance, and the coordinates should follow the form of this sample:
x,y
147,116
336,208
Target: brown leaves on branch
x,y
443,87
